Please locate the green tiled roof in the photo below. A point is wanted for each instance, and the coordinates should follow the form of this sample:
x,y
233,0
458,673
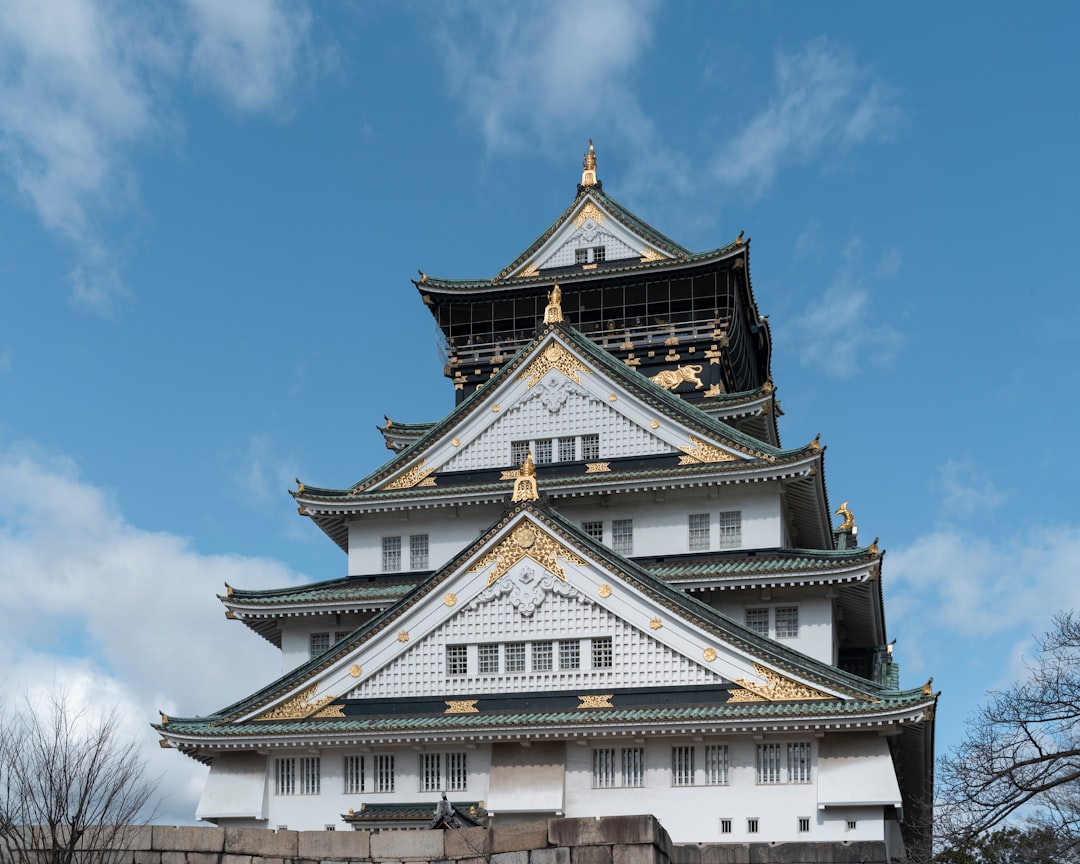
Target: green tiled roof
x,y
767,562
330,591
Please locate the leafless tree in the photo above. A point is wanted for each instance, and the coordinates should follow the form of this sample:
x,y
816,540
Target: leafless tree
x,y
72,790
1021,756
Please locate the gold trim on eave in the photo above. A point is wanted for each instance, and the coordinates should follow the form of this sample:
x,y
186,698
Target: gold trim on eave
x,y
777,689
699,451
596,701
461,706
297,706
411,477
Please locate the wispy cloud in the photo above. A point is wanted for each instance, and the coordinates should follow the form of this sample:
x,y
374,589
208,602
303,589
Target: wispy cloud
x,y
82,585
840,330
85,83
824,102
5,362
965,491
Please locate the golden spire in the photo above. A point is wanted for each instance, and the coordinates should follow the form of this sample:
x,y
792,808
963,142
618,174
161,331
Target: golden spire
x,y
588,167
525,483
553,311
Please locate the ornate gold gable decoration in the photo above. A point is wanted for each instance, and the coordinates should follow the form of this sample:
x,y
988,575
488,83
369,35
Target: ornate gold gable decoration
x,y
553,311
553,357
528,540
525,482
417,475
699,451
298,706
778,689
648,255
588,167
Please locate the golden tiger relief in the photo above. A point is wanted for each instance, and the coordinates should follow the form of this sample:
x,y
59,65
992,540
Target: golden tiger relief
x,y
669,379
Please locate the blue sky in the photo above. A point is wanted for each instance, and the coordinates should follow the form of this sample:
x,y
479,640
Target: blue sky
x,y
210,213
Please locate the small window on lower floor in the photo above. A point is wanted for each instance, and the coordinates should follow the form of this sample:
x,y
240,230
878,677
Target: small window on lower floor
x,y
514,657
384,773
518,451
730,529
541,656
319,643
543,451
590,448
752,825
487,657
569,654
787,622
457,660
804,824
682,766
725,826
602,653
353,775
851,825
622,536
594,530
603,768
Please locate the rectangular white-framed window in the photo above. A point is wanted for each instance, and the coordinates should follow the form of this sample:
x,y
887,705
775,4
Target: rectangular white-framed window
x,y
590,447
569,654
603,768
804,824
541,656
518,451
752,825
319,643
543,451
757,619
514,656
431,778
682,765
599,253
457,660
352,775
567,449
418,551
798,762
310,775
787,622
339,635
487,658
391,554
602,653
716,764
725,825
594,529
457,772
285,776
633,766
622,536
730,529
769,765
384,772
581,256
699,532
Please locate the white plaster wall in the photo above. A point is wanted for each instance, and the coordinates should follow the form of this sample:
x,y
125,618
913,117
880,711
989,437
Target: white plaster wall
x,y
815,617
296,635
449,531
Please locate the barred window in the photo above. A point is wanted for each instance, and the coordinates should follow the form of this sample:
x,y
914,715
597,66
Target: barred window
x,y
431,772
457,772
569,654
518,451
682,766
716,764
622,536
581,256
633,766
594,530
543,451
730,529
418,552
310,779
603,768
285,776
457,660
488,659
514,656
787,622
602,653
599,253
391,554
541,657
798,762
768,763
758,620
353,775
699,532
590,447
725,826
567,449
384,772
752,825
319,643
804,824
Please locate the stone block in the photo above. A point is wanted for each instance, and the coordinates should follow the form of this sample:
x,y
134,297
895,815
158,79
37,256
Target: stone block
x,y
320,845
467,843
726,853
521,856
259,842
236,859
126,838
551,855
646,853
519,836
407,845
611,830
145,856
171,857
166,838
203,858
591,855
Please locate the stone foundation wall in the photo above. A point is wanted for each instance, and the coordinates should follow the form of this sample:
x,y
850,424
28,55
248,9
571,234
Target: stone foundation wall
x,y
610,840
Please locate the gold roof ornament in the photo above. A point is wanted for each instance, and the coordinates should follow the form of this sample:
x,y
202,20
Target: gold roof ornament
x,y
525,483
553,311
849,519
588,167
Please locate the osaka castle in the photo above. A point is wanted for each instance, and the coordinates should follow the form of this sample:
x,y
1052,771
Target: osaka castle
x,y
600,585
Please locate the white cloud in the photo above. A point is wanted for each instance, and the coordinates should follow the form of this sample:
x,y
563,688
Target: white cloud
x,y
824,101
94,604
84,83
965,491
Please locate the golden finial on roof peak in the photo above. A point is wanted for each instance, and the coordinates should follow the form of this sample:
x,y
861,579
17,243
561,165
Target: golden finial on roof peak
x,y
525,483
588,167
553,311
